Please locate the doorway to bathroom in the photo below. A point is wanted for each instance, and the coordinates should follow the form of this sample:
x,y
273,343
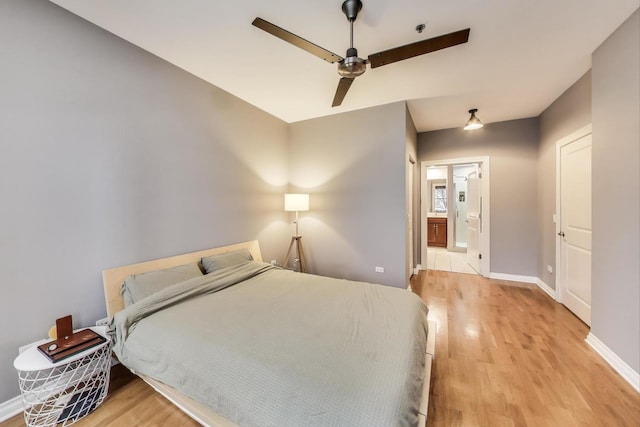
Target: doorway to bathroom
x,y
454,218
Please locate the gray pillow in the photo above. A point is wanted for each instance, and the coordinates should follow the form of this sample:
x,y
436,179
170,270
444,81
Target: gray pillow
x,y
216,262
139,286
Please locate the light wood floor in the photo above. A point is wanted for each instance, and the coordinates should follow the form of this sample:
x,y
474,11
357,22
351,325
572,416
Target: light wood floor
x,y
130,402
506,355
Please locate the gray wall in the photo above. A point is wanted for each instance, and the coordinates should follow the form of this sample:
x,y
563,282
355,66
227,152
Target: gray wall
x,y
570,112
513,150
353,166
615,310
111,156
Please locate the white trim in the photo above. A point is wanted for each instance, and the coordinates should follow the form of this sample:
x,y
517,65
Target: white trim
x,y
546,288
10,408
583,131
625,371
410,248
525,279
485,249
514,278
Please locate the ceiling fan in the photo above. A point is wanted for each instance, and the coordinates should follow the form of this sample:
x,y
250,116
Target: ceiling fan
x,y
353,66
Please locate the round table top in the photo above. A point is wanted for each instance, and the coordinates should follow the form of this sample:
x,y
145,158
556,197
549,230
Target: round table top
x,y
33,360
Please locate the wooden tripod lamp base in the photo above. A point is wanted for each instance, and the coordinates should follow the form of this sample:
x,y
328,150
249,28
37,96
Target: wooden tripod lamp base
x,y
296,202
297,240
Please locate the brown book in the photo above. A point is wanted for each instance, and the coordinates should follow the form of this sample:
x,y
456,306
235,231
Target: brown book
x,y
64,347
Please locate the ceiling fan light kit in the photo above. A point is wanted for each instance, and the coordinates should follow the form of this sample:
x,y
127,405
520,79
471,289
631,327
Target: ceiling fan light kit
x,y
353,66
473,122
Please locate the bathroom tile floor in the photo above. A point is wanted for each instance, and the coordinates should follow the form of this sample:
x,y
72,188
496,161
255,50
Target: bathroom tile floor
x,y
442,259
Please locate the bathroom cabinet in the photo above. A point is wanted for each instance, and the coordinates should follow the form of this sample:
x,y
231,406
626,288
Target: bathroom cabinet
x,y
437,232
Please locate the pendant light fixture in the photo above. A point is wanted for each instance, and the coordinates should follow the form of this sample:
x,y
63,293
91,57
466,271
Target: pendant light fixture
x,y
473,122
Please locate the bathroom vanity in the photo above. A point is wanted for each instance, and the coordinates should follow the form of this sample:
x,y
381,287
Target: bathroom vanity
x,y
437,231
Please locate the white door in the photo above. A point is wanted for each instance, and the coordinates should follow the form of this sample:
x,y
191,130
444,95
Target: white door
x,y
474,218
574,271
460,201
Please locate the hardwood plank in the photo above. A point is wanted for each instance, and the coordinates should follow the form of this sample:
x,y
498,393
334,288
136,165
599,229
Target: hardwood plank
x,y
506,355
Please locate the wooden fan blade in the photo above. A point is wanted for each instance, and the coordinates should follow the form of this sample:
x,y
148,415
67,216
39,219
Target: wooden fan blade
x,y
303,44
343,88
418,48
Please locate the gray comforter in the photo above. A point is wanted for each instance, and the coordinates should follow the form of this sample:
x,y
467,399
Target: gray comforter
x,y
268,347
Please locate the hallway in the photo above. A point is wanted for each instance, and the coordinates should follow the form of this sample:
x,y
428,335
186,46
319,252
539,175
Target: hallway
x,y
443,260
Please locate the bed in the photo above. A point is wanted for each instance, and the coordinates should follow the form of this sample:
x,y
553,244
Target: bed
x,y
264,346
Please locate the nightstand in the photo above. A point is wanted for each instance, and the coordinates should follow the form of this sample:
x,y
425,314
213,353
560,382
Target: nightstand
x,y
66,391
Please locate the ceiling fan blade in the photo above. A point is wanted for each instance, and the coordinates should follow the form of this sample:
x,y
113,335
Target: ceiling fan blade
x,y
418,48
303,44
343,87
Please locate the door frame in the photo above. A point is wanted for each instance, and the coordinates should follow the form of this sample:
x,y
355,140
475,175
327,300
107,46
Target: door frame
x,y
478,175
572,137
485,244
411,249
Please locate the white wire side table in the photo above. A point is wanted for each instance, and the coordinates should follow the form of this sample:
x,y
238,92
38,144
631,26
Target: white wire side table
x,y
64,392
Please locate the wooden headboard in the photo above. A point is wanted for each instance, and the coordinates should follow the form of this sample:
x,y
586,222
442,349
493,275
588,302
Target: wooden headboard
x,y
113,278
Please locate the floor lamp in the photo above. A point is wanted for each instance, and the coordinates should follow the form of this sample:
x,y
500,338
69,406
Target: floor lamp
x,y
296,203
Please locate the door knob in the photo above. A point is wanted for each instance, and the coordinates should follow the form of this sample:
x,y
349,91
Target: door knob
x,y
561,234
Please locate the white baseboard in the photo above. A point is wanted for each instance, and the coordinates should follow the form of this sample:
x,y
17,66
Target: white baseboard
x,y
625,371
525,279
631,376
551,292
10,408
513,277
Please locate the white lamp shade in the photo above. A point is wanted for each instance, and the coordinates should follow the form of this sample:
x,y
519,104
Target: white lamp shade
x,y
296,202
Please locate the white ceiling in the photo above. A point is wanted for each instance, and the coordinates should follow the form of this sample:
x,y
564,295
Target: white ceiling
x,y
521,54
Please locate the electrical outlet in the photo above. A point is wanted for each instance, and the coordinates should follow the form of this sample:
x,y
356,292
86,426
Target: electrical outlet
x,y
102,322
379,269
550,269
